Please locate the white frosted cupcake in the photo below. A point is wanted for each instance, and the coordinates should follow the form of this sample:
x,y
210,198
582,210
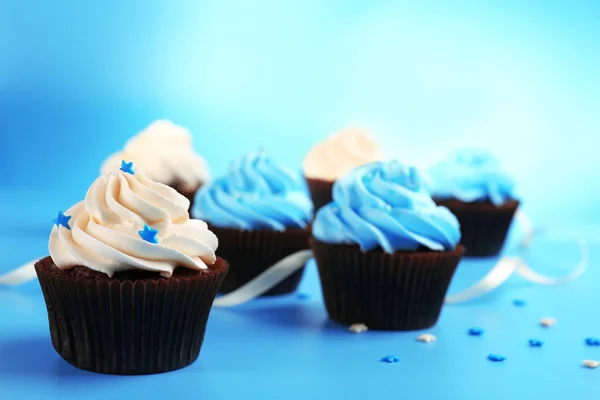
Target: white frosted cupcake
x,y
130,279
165,153
332,158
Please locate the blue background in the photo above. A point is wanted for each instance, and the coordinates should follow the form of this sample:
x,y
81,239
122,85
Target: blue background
x,y
78,78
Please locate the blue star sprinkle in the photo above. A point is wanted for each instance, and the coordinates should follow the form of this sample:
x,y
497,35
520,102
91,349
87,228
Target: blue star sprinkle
x,y
591,341
390,359
127,167
496,357
149,234
535,343
519,302
63,220
302,296
475,332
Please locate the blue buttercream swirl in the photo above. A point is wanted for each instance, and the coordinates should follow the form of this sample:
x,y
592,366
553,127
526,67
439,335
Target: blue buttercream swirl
x,y
471,175
256,193
384,204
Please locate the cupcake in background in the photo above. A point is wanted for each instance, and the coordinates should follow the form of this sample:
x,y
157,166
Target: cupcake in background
x,y
385,252
471,183
164,152
332,158
130,279
260,211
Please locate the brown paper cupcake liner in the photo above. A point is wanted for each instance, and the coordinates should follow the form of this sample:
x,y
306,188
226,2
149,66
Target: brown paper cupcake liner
x,y
119,326
320,192
249,253
483,225
400,291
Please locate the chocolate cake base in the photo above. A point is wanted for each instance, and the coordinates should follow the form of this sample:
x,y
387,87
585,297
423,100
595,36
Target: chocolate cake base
x,y
483,225
131,324
250,253
320,192
398,292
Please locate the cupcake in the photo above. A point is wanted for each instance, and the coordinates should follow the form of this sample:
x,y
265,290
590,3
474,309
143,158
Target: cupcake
x,y
332,158
260,211
130,279
164,152
385,252
471,183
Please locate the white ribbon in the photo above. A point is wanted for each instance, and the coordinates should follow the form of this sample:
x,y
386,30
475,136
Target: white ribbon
x,y
20,275
266,280
507,266
500,273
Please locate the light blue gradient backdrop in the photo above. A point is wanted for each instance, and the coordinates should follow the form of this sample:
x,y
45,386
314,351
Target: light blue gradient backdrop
x,y
77,79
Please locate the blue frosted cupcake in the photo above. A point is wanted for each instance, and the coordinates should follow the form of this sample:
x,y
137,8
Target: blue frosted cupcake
x,y
471,183
260,211
385,252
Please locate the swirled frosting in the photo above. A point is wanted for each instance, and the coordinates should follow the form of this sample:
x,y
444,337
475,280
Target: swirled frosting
x,y
384,204
471,175
164,152
256,193
340,153
105,230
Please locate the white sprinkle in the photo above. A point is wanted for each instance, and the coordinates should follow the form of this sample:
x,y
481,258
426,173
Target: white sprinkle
x,y
547,322
427,338
358,328
591,364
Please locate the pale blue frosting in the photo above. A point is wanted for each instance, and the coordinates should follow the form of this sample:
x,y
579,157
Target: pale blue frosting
x,y
384,204
471,175
256,193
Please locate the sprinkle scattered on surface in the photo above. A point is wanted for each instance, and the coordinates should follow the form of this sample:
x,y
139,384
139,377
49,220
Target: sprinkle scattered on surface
x,y
547,322
358,328
496,357
591,341
303,296
591,364
475,331
390,359
519,302
535,343
426,337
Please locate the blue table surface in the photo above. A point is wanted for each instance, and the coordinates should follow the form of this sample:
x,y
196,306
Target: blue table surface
x,y
287,348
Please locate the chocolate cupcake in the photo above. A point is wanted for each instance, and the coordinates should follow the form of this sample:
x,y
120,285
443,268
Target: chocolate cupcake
x,y
332,158
385,252
260,211
471,183
164,152
130,279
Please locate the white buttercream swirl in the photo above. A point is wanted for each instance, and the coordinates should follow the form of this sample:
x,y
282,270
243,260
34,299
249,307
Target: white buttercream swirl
x,y
164,152
341,152
103,233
